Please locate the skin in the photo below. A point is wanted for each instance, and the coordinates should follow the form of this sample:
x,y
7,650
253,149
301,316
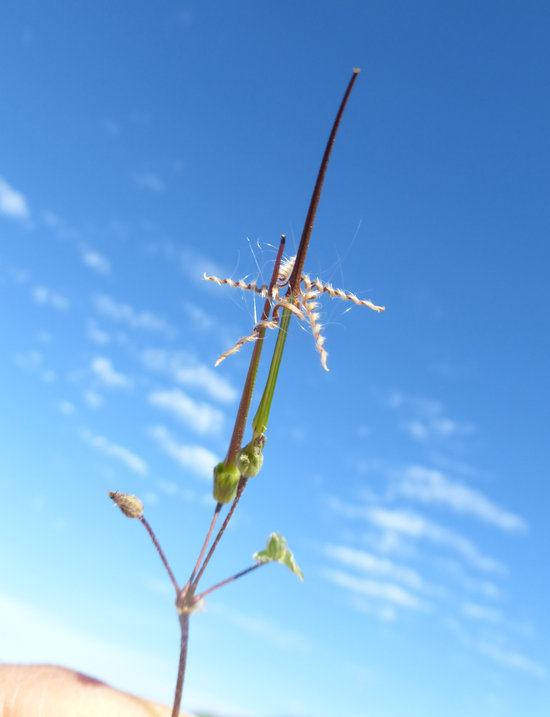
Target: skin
x,y
49,691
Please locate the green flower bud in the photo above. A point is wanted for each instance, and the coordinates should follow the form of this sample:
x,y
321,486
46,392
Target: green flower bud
x,y
250,458
226,481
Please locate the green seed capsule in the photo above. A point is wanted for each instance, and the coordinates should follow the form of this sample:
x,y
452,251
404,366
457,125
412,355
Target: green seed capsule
x,y
226,481
250,458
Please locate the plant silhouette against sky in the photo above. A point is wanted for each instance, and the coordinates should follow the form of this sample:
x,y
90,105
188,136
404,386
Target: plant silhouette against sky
x,y
290,292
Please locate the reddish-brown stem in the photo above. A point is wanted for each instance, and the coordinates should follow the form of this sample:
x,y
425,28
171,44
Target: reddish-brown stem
x,y
217,510
228,580
242,484
246,397
161,553
184,627
295,277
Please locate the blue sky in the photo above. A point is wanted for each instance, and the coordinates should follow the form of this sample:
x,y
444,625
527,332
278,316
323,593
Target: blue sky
x,y
143,144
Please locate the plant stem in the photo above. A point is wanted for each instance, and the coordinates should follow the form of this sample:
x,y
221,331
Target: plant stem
x,y
246,397
161,553
184,627
296,276
228,580
217,510
221,531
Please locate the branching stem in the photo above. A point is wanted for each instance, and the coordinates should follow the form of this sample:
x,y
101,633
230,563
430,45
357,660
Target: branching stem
x,y
161,553
200,596
240,490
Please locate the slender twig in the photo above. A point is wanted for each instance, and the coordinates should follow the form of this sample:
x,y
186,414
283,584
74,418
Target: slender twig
x,y
200,596
240,490
217,510
184,627
161,553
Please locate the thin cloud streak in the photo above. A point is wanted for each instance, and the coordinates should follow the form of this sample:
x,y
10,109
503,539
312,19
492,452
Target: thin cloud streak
x,y
384,591
416,526
201,416
366,562
104,370
512,659
397,523
47,297
186,369
196,458
96,261
432,486
114,450
135,319
12,203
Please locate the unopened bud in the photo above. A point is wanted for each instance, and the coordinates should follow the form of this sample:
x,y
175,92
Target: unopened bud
x,y
226,481
250,458
130,505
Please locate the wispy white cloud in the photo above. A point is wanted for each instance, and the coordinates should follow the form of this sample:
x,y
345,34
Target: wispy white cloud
x,y
432,486
512,659
416,526
66,407
93,399
97,335
96,261
103,368
425,419
384,591
201,416
189,371
61,227
33,362
47,297
481,613
196,458
191,263
136,319
13,203
150,181
369,563
130,459
199,316
395,524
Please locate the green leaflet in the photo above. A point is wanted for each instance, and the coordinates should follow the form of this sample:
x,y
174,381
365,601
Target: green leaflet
x,y
276,550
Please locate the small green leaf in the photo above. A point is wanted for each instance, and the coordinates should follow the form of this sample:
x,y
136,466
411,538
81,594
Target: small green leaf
x,y
277,551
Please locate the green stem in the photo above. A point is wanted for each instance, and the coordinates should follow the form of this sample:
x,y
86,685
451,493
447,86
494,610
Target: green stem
x,y
259,424
246,397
